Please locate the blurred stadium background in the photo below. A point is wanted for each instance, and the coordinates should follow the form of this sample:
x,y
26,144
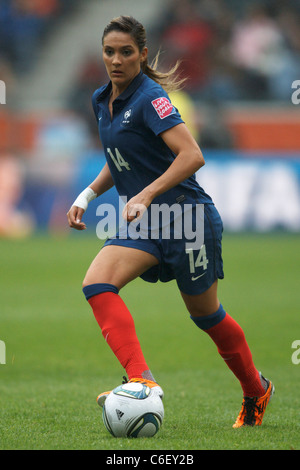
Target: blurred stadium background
x,y
241,58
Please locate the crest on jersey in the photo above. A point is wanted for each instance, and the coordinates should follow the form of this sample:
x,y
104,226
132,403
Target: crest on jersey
x,y
163,107
126,121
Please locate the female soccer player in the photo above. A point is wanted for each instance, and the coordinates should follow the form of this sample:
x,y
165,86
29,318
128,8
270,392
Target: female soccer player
x,y
151,159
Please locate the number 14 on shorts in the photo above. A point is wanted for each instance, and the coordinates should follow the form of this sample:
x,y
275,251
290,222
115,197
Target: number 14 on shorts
x,y
197,260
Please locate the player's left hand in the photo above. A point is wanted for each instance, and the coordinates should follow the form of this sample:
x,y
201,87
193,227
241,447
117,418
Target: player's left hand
x,y
136,207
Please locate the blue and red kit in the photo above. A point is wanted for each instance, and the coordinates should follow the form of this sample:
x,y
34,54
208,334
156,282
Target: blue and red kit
x,y
137,155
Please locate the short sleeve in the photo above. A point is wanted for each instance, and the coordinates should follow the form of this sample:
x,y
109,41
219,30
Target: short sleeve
x,y
159,112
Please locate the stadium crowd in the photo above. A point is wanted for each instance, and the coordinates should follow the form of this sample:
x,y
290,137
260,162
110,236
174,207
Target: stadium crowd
x,y
230,50
24,25
233,49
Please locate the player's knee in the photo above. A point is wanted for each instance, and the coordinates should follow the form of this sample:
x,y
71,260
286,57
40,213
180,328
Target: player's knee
x,y
87,281
202,310
205,322
92,290
197,311
90,278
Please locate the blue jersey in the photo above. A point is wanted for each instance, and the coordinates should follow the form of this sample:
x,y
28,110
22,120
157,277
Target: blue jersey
x,y
135,152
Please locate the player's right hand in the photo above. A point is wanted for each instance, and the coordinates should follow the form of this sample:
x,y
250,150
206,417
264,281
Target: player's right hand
x,y
74,218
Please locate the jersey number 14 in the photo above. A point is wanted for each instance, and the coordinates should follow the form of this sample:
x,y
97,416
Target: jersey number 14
x,y
118,160
200,261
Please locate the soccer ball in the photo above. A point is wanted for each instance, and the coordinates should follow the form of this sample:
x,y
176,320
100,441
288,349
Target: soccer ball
x,y
133,410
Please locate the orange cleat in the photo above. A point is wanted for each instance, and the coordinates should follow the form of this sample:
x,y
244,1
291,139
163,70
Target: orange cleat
x,y
253,408
102,397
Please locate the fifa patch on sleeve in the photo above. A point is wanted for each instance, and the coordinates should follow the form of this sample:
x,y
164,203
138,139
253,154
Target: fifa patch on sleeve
x,y
163,107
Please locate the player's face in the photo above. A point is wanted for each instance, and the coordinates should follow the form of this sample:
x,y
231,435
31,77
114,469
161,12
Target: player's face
x,y
122,58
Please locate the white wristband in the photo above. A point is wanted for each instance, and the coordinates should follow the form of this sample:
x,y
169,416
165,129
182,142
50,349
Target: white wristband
x,y
87,195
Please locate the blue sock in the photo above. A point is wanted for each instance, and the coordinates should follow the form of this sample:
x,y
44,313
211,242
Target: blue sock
x,y
208,321
95,289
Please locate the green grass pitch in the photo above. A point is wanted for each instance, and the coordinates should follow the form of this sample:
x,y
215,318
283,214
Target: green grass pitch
x,y
57,361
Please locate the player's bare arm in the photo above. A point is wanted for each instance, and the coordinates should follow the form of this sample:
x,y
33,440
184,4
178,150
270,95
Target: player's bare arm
x,y
189,159
103,182
99,186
